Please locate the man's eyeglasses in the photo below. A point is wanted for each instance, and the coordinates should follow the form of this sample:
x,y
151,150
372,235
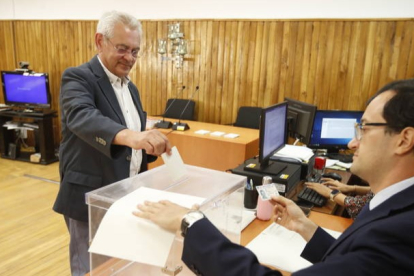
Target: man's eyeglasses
x,y
122,50
359,127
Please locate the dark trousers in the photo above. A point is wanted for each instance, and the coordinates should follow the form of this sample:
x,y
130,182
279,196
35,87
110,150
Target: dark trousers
x,y
78,246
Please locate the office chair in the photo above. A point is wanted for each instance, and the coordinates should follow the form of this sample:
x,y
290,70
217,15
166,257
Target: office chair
x,y
174,109
248,117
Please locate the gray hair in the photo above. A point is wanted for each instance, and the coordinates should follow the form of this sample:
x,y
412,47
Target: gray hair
x,y
108,21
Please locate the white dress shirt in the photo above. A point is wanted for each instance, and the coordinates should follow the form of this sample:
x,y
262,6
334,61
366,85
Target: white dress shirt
x,y
130,114
388,192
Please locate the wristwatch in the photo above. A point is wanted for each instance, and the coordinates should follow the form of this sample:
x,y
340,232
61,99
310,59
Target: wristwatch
x,y
189,219
333,194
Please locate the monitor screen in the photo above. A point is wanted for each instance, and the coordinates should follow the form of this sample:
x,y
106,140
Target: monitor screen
x,y
300,119
333,129
30,90
272,131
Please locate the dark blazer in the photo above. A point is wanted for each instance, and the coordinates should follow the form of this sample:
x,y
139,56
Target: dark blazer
x,y
380,242
90,119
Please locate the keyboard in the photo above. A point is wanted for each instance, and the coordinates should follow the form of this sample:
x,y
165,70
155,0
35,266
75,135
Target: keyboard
x,y
345,158
310,195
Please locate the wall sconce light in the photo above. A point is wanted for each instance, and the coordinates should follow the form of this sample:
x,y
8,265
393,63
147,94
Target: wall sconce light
x,y
177,46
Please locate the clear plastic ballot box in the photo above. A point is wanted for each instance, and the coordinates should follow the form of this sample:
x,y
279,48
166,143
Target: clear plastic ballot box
x,y
223,206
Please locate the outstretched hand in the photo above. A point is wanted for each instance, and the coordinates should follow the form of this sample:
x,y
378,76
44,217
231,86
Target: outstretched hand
x,y
164,213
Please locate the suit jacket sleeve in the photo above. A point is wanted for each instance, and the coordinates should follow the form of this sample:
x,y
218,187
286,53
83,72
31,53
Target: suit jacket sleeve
x,y
83,117
318,245
208,252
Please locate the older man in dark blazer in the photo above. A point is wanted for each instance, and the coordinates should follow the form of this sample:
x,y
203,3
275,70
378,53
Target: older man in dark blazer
x,y
103,127
379,242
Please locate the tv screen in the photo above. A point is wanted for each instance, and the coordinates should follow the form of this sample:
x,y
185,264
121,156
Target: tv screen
x,y
333,129
29,90
300,117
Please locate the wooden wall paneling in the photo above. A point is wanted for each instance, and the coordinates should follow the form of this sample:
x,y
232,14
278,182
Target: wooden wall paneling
x,y
7,49
196,56
197,43
335,93
368,65
295,70
361,51
284,62
327,76
377,60
261,76
313,61
220,75
303,66
150,58
406,41
396,50
277,63
410,60
256,65
294,55
320,77
335,64
205,93
226,103
142,77
158,107
187,65
252,65
237,91
213,95
387,52
269,74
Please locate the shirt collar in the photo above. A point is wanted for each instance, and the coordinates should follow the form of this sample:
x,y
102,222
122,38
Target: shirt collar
x,y
113,78
388,192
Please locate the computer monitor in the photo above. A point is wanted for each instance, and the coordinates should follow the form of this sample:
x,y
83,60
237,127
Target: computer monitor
x,y
333,129
300,119
28,90
272,137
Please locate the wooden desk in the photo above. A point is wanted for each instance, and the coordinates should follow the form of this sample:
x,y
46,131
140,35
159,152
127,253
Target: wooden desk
x,y
217,153
324,220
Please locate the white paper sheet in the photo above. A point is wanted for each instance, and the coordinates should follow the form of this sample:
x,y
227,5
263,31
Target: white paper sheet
x,y
174,163
281,248
217,133
125,236
231,135
202,131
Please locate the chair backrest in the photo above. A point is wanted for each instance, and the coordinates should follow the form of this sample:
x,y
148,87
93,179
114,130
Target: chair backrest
x,y
174,109
249,117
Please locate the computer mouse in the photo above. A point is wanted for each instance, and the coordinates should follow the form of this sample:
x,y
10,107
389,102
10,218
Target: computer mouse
x,y
332,175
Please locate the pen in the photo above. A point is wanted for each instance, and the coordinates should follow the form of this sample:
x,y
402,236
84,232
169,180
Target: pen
x,y
251,184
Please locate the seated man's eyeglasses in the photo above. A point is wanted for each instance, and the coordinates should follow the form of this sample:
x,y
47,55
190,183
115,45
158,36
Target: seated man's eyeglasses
x,y
123,50
359,127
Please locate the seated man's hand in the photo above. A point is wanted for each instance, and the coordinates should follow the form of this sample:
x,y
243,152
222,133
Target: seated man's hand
x,y
290,216
164,213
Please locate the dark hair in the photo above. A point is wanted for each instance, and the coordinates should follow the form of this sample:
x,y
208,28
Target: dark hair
x,y
399,110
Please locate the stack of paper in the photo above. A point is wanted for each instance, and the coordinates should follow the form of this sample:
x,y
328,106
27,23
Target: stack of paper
x,y
298,152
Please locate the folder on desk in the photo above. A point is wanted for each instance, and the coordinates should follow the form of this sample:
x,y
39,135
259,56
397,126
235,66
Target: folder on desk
x,y
281,248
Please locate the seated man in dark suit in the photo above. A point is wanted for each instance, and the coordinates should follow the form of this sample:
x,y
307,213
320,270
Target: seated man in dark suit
x,y
379,242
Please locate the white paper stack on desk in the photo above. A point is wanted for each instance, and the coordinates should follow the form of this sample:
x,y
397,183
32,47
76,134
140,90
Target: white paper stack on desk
x,y
300,153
